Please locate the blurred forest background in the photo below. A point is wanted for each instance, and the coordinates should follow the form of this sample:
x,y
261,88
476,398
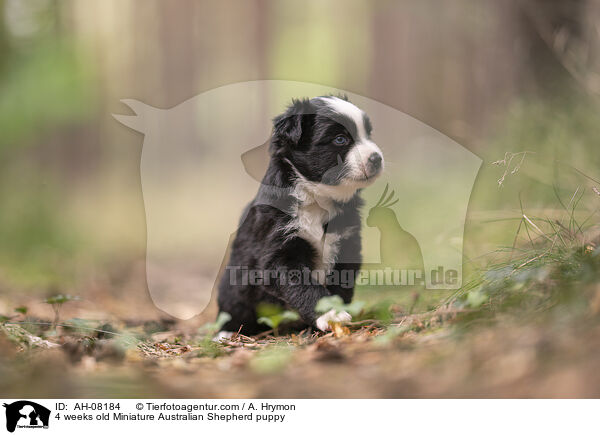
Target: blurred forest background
x,y
496,76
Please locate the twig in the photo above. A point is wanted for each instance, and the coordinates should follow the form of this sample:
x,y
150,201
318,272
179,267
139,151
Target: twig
x,y
71,326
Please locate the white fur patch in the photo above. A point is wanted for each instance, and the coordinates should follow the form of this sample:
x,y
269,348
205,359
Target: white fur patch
x,y
351,111
311,214
223,335
331,316
315,208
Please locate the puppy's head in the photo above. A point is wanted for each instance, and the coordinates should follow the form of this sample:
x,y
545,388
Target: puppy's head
x,y
327,140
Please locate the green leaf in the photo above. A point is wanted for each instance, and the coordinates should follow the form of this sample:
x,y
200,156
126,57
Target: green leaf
x,y
354,308
476,298
214,327
275,320
268,310
274,315
60,299
267,321
289,316
336,303
329,303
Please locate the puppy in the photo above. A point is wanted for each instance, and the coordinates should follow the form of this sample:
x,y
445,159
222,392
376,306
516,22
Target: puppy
x,y
300,237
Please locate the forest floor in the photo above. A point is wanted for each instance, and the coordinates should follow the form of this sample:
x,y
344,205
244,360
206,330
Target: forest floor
x,y
529,327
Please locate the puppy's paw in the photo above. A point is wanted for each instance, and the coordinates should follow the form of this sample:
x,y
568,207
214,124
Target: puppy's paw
x,y
331,316
223,335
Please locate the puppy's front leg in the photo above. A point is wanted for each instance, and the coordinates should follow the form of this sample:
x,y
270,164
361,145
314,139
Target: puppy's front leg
x,y
304,298
295,286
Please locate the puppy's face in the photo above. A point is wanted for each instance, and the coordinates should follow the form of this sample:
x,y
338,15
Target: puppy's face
x,y
328,142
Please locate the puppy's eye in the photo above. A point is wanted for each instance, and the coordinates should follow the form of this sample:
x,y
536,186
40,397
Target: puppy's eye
x,y
341,140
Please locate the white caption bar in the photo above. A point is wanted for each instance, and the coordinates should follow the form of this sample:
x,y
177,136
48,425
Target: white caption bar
x,y
264,416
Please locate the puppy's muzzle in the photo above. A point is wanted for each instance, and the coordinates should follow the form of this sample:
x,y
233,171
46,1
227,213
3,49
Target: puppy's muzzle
x,y
374,164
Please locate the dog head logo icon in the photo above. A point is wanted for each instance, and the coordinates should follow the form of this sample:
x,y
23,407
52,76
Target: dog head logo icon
x,y
26,414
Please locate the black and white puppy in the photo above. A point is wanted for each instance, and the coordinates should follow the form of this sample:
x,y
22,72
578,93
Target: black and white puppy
x,y
303,227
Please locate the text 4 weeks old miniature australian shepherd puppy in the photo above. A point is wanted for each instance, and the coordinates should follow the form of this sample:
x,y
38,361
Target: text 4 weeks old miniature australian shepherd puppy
x,y
300,236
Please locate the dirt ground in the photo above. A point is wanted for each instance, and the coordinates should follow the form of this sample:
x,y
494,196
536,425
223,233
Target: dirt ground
x,y
112,350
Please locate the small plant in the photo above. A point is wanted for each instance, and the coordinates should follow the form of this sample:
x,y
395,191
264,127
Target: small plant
x,y
57,302
273,316
211,328
21,310
475,298
336,303
207,346
380,311
510,167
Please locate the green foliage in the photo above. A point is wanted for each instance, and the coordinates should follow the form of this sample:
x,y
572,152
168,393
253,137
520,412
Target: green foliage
x,y
211,328
60,299
126,341
336,303
80,326
57,302
44,87
21,310
210,349
380,311
35,240
273,315
476,298
207,347
106,331
566,128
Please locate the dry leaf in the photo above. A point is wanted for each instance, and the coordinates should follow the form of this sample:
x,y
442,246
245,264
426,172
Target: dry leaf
x,y
338,329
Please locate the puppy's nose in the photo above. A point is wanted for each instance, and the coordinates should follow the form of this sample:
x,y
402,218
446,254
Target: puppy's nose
x,y
375,160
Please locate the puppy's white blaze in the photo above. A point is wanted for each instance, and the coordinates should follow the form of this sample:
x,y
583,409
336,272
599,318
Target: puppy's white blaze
x,y
351,111
331,316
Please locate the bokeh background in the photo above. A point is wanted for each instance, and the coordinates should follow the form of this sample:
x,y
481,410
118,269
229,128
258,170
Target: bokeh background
x,y
497,77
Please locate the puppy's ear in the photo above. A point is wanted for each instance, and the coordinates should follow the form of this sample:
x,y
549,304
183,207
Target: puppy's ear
x,y
288,127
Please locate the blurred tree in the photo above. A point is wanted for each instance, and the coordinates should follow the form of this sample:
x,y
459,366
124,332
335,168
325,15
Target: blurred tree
x,y
554,35
4,41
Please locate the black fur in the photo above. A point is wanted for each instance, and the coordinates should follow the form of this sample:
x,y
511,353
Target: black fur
x,y
301,141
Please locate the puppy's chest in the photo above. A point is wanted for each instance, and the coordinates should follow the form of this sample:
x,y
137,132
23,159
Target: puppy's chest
x,y
312,225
